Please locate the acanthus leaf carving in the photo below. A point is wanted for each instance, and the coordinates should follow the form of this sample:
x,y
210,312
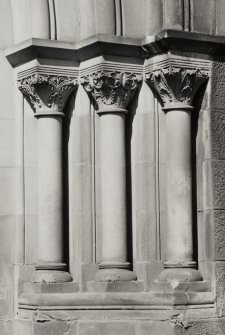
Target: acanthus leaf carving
x,y
111,88
47,92
175,84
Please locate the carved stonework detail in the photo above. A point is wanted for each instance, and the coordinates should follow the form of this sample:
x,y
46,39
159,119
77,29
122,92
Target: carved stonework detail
x,y
111,88
175,84
47,93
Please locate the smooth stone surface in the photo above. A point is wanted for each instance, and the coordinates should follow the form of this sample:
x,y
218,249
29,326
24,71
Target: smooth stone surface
x,y
115,275
175,286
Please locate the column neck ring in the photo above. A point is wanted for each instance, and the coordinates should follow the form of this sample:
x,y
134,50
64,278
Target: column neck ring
x,y
177,106
47,114
112,110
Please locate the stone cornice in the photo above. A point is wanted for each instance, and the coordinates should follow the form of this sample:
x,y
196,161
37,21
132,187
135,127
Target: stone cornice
x,y
47,88
111,84
203,45
176,79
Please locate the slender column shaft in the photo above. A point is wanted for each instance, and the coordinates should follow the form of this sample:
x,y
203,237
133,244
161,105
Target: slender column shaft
x,y
113,188
50,223
179,189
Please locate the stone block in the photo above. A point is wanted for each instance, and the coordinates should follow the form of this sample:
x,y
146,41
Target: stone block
x,y
218,85
30,137
172,14
6,327
51,327
146,235
67,30
82,140
162,186
83,273
31,238
130,286
147,272
203,139
206,244
144,132
107,328
203,16
7,142
6,40
133,23
105,17
31,190
153,22
145,187
220,287
156,328
219,235
7,195
83,238
87,27
7,238
218,172
24,327
82,184
208,186
218,133
220,11
6,88
6,291
69,287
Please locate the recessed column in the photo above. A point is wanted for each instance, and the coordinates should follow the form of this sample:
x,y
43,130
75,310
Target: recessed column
x,y
175,82
47,94
111,92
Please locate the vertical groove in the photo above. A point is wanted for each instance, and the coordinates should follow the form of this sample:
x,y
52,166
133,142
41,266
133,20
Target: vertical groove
x,y
93,181
157,188
52,19
118,18
186,15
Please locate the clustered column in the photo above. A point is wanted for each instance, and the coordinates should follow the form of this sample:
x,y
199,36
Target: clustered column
x,y
111,92
47,94
175,82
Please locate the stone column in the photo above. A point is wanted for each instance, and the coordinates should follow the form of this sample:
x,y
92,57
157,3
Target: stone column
x,y
175,82
47,94
111,92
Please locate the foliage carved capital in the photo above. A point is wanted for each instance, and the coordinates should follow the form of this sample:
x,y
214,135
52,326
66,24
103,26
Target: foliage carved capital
x,y
176,81
111,89
47,93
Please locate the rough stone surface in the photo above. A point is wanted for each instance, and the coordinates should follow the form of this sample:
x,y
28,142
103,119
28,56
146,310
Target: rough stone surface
x,y
218,133
218,85
218,171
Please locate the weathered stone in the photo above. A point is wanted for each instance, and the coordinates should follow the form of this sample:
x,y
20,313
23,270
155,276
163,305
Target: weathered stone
x,y
203,16
219,234
153,22
172,14
6,291
109,328
51,327
218,85
7,237
218,172
220,10
133,23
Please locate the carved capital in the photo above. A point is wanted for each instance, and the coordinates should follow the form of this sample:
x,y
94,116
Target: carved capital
x,y
176,80
46,91
111,86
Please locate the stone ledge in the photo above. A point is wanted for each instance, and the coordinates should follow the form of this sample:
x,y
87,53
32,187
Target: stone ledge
x,y
129,286
68,287
120,300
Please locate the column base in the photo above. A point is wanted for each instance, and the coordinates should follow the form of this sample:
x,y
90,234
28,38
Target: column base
x,y
51,273
179,275
115,272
